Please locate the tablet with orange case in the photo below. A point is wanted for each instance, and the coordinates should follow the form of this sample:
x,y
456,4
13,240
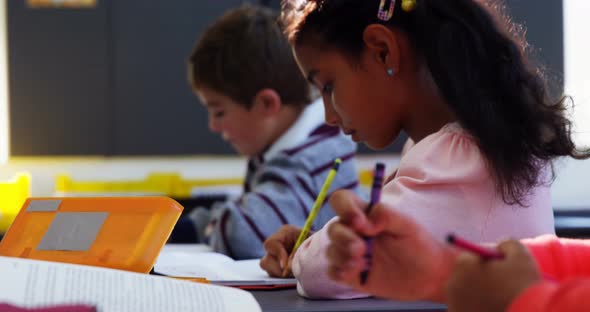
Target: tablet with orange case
x,y
125,233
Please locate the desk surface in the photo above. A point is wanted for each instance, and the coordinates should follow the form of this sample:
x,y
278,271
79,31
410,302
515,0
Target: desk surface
x,y
289,301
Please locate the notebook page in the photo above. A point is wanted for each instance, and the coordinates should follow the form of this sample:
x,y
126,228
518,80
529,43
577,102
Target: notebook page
x,y
210,265
250,270
175,258
32,283
246,272
211,271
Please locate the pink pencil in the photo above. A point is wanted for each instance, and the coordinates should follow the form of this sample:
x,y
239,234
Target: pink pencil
x,y
485,253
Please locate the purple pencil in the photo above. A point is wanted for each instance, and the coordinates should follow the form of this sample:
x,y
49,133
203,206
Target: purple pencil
x,y
378,176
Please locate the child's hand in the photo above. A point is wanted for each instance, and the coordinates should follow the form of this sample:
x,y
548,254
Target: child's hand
x,y
407,262
278,246
491,285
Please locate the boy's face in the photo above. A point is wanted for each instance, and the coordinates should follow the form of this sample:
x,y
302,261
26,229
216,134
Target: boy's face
x,y
244,129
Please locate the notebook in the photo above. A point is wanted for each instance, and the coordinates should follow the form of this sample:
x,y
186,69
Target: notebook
x,y
200,261
34,283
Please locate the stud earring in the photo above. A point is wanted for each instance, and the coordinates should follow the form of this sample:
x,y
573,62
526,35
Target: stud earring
x,y
390,72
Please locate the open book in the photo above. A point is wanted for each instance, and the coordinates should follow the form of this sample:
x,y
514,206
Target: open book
x,y
32,283
217,268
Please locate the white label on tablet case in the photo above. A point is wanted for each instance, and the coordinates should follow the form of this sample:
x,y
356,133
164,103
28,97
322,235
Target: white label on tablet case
x,y
73,231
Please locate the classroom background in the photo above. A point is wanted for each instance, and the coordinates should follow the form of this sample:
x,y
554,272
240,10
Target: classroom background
x,y
95,91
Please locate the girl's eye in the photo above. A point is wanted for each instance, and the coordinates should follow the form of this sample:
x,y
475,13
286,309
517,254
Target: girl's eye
x,y
327,89
219,114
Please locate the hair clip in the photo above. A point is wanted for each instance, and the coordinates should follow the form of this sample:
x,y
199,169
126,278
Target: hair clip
x,y
385,15
408,5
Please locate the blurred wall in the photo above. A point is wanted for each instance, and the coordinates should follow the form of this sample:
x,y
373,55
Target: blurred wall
x,y
112,80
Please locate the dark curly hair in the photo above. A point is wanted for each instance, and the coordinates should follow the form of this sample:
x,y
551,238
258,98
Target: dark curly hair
x,y
477,58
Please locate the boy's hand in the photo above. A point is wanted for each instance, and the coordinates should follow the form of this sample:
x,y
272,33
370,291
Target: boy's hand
x,y
407,262
278,246
491,285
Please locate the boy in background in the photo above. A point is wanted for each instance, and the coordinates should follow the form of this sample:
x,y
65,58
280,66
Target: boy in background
x,y
244,73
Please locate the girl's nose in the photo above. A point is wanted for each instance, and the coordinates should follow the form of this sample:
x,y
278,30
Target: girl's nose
x,y
331,117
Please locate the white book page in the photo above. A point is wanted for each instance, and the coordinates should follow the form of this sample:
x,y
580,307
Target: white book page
x,y
210,265
186,248
216,272
212,271
250,270
176,258
32,283
195,260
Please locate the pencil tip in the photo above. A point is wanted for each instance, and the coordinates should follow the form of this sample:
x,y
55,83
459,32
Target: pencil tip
x,y
337,163
451,238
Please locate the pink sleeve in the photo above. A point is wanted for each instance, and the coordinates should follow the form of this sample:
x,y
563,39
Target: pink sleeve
x,y
442,182
407,146
561,258
310,267
423,187
572,295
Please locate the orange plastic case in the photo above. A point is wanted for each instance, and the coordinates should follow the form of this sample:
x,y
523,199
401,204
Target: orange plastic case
x,y
125,233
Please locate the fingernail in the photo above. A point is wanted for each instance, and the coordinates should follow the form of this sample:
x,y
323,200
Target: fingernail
x,y
282,264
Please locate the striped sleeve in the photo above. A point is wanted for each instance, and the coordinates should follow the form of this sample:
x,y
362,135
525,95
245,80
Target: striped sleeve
x,y
282,191
239,227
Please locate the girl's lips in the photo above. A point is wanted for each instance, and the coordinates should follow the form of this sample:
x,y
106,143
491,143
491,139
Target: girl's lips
x,y
352,134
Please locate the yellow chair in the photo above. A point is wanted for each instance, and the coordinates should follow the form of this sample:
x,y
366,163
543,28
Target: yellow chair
x,y
154,184
183,188
161,183
366,178
12,196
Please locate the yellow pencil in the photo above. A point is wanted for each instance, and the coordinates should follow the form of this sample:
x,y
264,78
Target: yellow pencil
x,y
314,210
192,279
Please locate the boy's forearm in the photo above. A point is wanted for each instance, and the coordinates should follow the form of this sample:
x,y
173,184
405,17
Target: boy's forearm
x,y
238,247
200,218
237,233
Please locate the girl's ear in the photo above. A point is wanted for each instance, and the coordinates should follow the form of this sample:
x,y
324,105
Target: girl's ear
x,y
267,102
382,43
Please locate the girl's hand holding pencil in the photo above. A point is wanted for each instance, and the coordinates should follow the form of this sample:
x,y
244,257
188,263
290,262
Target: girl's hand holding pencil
x,y
319,202
282,246
277,248
407,262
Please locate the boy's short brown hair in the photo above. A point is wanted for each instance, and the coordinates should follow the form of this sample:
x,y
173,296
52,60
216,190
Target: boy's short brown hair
x,y
245,51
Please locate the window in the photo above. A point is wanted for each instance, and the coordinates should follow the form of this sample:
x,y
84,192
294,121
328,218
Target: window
x,y
577,65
